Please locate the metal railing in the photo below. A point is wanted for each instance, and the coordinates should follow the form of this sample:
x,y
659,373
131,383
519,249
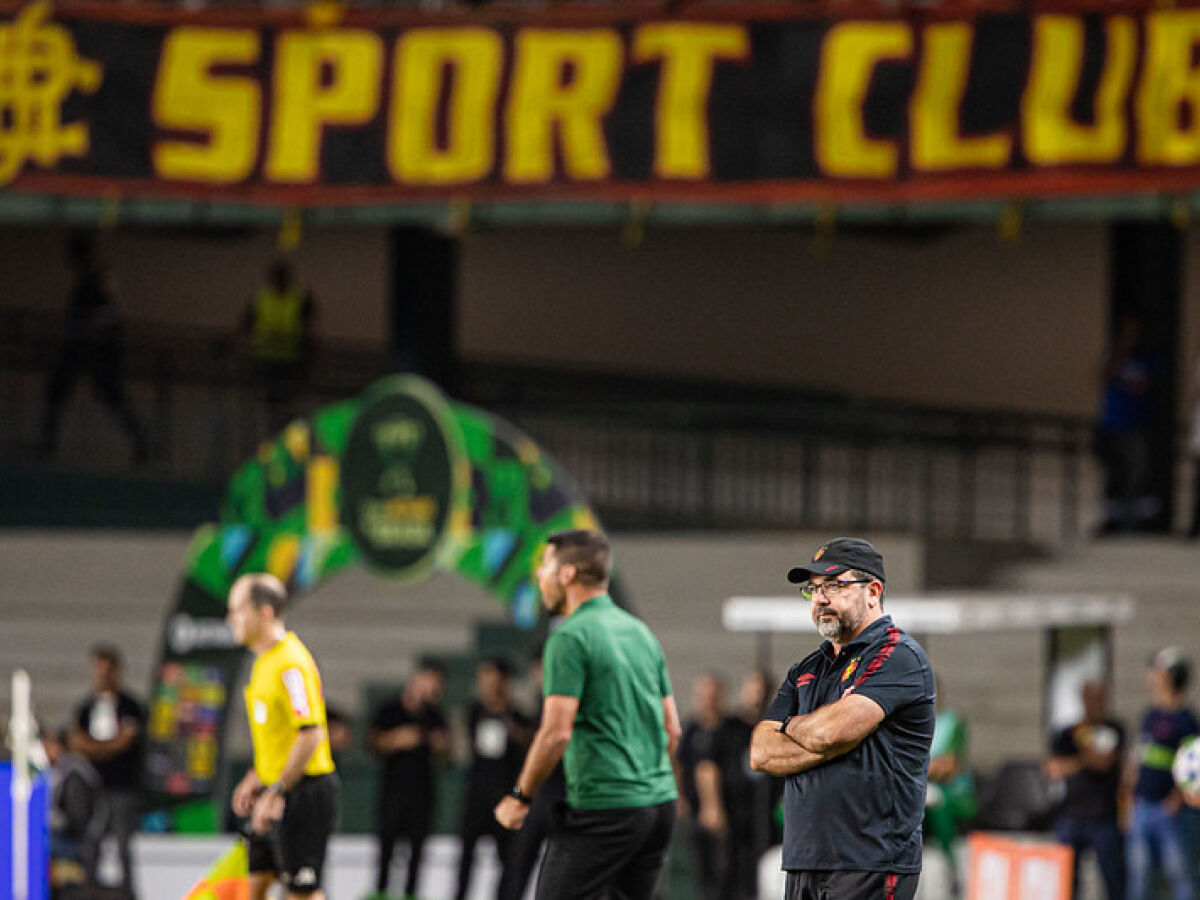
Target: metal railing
x,y
197,393
648,453
722,457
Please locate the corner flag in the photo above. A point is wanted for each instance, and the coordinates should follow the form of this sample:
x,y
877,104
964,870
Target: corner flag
x,y
228,879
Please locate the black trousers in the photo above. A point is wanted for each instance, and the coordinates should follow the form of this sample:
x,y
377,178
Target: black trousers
x,y
527,843
404,812
479,820
711,852
118,814
828,885
597,854
741,876
101,362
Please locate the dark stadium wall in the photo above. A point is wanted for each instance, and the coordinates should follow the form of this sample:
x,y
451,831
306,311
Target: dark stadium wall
x,y
1189,339
204,279
953,317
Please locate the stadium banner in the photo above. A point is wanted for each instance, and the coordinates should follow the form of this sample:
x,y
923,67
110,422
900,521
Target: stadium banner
x,y
799,103
402,480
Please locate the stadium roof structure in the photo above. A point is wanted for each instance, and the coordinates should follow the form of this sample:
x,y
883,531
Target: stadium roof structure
x,y
457,216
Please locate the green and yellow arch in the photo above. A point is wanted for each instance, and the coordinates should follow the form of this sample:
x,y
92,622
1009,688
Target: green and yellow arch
x,y
400,479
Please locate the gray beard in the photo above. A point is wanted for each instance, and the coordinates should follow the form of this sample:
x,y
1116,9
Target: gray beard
x,y
830,629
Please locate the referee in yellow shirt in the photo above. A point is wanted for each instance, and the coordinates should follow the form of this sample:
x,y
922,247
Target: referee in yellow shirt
x,y
291,793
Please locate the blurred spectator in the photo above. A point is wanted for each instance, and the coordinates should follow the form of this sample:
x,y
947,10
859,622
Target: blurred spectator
x,y
748,796
76,808
408,734
527,843
109,726
1130,394
341,730
499,735
700,774
1159,834
1194,448
91,346
1087,757
950,799
280,322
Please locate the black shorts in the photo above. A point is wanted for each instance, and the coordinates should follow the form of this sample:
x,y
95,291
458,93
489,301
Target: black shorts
x,y
594,852
829,885
295,848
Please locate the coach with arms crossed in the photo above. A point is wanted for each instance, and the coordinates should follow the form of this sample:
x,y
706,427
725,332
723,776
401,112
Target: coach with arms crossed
x,y
850,728
609,707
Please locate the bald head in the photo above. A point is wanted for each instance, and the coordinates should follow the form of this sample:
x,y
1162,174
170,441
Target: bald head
x,y
261,589
256,604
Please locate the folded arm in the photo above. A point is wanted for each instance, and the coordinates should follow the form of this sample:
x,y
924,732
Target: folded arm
x,y
775,753
127,733
837,727
818,737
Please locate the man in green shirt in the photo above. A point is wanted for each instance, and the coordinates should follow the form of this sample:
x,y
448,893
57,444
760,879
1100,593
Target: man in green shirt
x,y
610,716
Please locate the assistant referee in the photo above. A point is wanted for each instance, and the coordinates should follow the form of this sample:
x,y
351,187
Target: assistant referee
x,y
610,715
291,792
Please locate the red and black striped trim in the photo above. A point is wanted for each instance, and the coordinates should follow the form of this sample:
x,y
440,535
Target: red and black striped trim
x,y
882,656
890,886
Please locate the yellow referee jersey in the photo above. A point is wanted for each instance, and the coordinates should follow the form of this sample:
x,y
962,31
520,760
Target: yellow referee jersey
x,y
284,695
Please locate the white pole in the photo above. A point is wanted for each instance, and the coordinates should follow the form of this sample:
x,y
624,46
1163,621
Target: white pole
x,y
22,734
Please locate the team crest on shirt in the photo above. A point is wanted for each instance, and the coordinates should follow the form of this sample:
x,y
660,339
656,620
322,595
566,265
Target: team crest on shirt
x,y
853,664
260,712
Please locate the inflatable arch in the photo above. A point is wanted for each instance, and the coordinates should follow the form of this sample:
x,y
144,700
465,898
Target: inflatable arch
x,y
401,479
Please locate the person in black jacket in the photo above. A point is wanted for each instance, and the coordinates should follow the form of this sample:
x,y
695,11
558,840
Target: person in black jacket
x,y
409,735
91,346
109,731
526,844
499,734
1088,756
76,808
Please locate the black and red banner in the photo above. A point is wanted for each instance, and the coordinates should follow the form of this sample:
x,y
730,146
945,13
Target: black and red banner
x,y
713,104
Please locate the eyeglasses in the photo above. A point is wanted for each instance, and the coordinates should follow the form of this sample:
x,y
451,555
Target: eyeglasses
x,y
830,589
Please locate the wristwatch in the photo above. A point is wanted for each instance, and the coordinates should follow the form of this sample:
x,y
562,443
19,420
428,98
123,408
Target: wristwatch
x,y
784,724
520,796
278,788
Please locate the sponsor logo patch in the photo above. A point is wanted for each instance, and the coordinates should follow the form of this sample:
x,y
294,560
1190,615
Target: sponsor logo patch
x,y
806,679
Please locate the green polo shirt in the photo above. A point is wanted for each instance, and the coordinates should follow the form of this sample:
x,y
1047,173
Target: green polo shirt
x,y
613,664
